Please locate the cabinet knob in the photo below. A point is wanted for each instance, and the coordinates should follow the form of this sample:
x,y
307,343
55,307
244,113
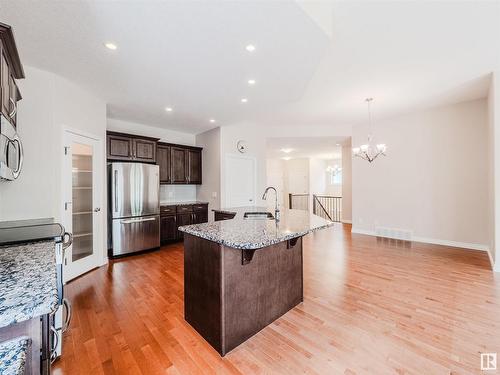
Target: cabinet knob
x,y
97,209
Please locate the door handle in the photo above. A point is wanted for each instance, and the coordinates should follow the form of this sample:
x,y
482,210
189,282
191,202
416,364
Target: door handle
x,y
132,221
116,191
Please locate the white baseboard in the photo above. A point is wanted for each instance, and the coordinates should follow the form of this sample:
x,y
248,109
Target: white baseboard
x,y
347,221
494,267
433,241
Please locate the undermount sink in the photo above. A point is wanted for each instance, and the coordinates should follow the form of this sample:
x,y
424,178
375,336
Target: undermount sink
x,y
258,215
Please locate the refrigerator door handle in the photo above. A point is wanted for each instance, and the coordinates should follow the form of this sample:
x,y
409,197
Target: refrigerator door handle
x,y
133,221
116,190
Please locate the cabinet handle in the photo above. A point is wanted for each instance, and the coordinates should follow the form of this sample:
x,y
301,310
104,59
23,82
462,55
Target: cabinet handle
x,y
13,113
53,354
67,322
116,190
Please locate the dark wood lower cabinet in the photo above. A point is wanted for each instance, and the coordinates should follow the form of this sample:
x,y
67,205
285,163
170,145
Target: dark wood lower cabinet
x,y
172,217
168,228
218,216
227,300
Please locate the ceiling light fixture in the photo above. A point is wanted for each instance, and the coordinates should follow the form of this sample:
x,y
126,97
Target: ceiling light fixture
x,y
110,46
250,48
286,150
212,120
244,100
251,82
286,158
368,151
169,109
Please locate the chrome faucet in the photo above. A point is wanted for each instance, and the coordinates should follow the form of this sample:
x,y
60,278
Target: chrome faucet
x,y
276,209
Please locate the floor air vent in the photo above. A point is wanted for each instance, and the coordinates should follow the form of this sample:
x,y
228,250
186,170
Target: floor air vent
x,y
398,234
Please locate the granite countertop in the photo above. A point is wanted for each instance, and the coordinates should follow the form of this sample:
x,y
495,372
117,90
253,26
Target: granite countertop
x,y
28,281
13,355
243,233
181,203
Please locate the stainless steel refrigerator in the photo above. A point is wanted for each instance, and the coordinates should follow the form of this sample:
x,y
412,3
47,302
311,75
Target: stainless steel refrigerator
x,y
134,207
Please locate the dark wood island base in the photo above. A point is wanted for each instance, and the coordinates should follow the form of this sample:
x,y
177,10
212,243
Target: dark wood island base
x,y
231,294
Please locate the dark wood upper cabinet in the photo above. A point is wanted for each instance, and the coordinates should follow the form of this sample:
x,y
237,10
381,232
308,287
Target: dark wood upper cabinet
x,y
178,165
128,147
193,157
145,150
119,147
10,70
163,160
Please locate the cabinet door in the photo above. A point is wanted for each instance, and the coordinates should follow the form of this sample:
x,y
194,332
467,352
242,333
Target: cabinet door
x,y
200,217
144,150
193,166
178,165
183,219
168,228
119,147
163,161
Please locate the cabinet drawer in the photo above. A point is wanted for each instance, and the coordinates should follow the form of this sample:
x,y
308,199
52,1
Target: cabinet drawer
x,y
200,207
183,209
167,210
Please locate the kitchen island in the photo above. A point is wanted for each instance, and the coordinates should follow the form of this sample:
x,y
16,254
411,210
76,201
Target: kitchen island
x,y
242,274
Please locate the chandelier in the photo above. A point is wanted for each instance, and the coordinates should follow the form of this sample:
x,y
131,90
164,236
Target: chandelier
x,y
369,151
335,170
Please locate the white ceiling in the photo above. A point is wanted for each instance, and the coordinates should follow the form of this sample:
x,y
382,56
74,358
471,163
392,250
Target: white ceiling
x,y
314,64
326,148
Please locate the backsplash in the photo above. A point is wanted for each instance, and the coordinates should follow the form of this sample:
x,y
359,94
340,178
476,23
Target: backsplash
x,y
177,193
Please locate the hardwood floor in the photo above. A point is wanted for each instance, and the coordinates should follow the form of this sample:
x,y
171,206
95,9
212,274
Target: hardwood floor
x,y
370,307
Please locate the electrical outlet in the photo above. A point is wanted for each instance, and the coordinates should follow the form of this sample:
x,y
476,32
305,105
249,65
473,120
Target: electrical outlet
x,y
170,194
214,194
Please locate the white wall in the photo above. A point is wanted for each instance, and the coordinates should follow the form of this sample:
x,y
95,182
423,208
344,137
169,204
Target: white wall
x,y
347,183
317,176
209,191
433,180
275,171
50,104
255,138
165,135
494,168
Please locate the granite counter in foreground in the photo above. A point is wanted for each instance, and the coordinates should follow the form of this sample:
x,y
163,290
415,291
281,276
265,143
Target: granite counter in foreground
x,y
28,281
249,234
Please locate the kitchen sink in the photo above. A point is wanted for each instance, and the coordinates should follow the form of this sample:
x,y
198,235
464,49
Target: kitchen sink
x,y
258,215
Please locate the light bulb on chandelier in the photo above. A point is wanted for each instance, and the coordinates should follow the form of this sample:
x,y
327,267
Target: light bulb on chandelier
x,y
368,151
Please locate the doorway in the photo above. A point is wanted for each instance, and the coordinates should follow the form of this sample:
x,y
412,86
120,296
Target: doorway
x,y
82,203
240,187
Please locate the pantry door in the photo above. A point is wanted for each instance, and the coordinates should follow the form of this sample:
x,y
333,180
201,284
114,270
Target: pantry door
x,y
82,203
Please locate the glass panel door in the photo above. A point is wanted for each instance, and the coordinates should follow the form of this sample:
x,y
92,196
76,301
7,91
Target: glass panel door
x,y
82,173
82,192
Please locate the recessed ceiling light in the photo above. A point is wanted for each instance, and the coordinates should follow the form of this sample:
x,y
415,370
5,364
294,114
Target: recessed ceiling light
x,y
286,158
337,144
212,120
251,82
169,109
111,46
244,100
286,150
250,48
